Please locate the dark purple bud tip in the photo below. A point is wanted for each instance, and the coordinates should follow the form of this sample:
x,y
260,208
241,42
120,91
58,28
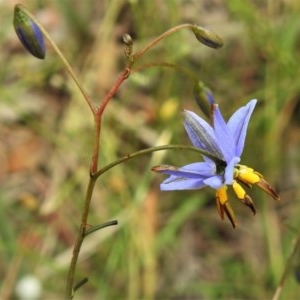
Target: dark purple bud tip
x,y
29,33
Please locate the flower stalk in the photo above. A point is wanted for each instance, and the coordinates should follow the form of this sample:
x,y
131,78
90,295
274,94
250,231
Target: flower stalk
x,y
204,36
31,33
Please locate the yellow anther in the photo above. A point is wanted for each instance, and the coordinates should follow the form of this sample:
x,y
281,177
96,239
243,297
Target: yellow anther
x,y
221,195
243,167
223,205
241,194
239,191
248,175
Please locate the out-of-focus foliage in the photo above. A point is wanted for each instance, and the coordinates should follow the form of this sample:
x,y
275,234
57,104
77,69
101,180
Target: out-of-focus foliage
x,y
167,245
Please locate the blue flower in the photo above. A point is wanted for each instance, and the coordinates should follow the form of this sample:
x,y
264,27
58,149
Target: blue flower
x,y
222,145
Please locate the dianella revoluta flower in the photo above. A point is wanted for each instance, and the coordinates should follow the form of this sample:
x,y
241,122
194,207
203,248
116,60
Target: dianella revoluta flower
x,y
222,145
29,33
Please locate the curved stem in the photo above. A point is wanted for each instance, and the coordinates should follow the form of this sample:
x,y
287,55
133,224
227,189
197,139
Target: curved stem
x,y
178,68
124,75
150,150
63,59
200,92
139,54
101,226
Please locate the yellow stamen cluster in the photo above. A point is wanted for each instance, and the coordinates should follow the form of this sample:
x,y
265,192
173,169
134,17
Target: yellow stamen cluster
x,y
248,177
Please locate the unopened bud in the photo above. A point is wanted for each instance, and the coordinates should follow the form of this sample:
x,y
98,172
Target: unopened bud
x,y
203,97
29,33
127,40
207,37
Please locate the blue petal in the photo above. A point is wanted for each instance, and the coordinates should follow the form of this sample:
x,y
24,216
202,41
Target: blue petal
x,y
201,134
194,170
230,169
238,124
214,182
181,183
223,135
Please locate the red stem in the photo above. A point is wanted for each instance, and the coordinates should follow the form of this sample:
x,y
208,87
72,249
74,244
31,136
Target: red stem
x,y
125,74
98,117
93,169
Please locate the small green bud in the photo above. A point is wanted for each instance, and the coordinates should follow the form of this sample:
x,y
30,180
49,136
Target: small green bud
x,y
207,37
29,33
127,40
203,97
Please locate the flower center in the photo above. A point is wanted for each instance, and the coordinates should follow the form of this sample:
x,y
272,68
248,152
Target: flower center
x,y
220,167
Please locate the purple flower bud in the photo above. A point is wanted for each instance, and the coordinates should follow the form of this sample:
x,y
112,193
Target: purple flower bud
x,y
29,33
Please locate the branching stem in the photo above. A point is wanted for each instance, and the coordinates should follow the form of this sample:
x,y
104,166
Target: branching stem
x,y
97,114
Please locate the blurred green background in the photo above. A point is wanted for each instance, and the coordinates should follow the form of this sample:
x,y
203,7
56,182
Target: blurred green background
x,y
168,245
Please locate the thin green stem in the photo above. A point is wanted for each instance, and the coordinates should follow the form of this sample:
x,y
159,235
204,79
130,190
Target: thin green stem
x,y
150,150
62,57
200,91
101,226
79,240
178,68
95,156
80,284
139,54
93,169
